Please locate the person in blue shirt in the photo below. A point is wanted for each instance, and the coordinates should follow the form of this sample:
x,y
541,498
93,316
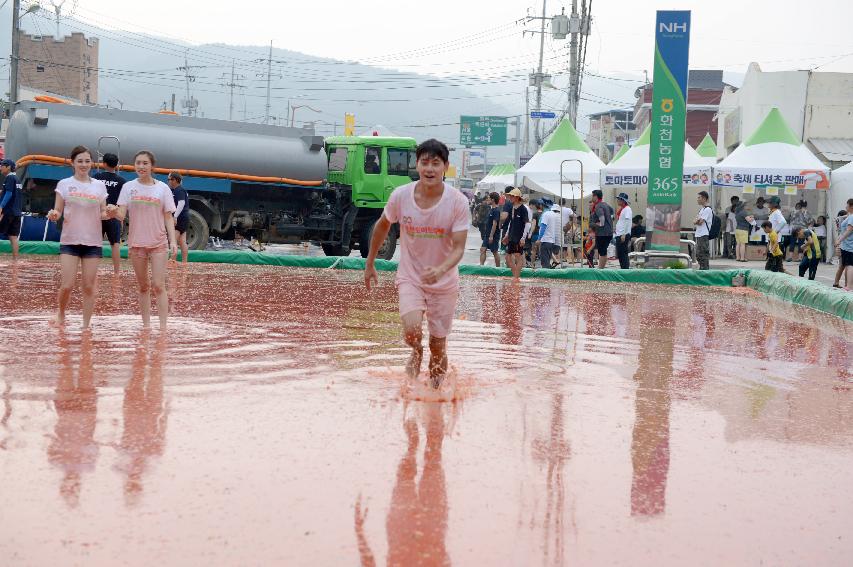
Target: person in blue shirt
x,y
10,205
844,247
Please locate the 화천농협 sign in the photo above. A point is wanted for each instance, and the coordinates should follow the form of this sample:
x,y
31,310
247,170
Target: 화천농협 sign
x,y
482,130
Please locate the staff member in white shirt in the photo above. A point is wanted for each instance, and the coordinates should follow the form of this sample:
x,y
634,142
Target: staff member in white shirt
x,y
703,227
622,231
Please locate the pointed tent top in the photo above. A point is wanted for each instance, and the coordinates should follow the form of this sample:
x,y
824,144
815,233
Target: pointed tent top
x,y
622,151
502,169
645,137
707,147
773,129
565,137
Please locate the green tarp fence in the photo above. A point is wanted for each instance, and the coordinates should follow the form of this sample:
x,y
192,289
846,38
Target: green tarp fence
x,y
782,286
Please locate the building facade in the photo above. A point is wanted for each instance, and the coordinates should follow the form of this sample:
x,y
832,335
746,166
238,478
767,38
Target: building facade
x,y
66,67
817,106
609,131
704,91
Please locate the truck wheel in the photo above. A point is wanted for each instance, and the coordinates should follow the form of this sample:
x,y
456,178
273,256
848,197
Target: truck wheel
x,y
332,249
386,251
197,232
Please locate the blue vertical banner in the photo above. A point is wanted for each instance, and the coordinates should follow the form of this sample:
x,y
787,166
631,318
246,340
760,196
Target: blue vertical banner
x,y
668,127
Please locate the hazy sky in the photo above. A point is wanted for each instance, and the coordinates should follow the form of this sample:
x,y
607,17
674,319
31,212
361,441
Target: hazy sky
x,y
480,36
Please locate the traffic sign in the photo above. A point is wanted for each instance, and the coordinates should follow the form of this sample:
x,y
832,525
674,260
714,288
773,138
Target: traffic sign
x,y
482,130
542,114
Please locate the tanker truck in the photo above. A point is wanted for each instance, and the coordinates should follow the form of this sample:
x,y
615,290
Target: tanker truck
x,y
276,184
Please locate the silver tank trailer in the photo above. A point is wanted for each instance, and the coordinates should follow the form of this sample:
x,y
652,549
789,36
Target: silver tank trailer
x,y
178,142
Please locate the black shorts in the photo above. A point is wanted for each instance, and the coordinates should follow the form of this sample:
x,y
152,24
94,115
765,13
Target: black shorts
x,y
81,250
846,259
493,247
10,225
601,244
182,223
514,248
774,263
112,228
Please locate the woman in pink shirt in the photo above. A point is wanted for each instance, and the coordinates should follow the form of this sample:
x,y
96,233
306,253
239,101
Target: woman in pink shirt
x,y
152,233
82,201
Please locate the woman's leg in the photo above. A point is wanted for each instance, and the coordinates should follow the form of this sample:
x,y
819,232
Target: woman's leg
x,y
813,264
68,267
159,261
804,266
90,287
140,268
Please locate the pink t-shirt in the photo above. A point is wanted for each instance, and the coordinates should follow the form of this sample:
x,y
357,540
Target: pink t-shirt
x,y
82,211
425,234
145,206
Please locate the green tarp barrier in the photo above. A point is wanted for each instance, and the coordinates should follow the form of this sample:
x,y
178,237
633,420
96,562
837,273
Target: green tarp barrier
x,y
784,287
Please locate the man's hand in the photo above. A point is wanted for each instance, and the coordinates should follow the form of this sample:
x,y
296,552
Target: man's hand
x,y
111,211
505,240
52,215
521,242
371,278
431,274
173,250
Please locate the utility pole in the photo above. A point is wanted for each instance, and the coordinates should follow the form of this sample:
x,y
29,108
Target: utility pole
x,y
539,73
573,65
16,43
269,76
527,120
231,85
189,103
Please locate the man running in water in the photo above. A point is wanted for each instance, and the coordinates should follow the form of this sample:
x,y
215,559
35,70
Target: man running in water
x,y
434,220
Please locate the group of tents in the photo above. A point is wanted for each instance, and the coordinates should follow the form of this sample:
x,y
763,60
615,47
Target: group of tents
x,y
771,161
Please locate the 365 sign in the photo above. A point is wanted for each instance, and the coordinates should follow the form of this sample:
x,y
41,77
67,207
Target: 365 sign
x,y
669,114
482,130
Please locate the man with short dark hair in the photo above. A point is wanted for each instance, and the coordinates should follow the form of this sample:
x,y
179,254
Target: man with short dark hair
x,y
505,209
703,223
182,211
491,230
434,220
601,220
112,227
10,205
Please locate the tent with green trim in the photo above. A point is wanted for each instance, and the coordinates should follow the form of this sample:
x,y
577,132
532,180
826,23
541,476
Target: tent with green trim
x,y
542,172
622,151
773,155
498,178
707,150
632,169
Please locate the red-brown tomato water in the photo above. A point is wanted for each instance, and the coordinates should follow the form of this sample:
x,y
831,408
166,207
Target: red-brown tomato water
x,y
593,425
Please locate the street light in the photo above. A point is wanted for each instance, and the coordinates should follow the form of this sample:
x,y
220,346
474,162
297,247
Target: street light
x,y
16,21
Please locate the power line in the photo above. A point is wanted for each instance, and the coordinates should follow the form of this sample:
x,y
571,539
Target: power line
x,y
232,84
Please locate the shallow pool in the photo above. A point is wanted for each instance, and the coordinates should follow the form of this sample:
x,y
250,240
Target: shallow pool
x,y
595,424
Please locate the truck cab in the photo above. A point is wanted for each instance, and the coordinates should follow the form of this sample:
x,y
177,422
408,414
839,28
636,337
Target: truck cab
x,y
367,169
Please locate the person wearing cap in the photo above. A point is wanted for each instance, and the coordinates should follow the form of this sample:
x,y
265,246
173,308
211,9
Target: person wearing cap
x,y
550,236
506,207
622,230
10,205
112,227
518,226
703,223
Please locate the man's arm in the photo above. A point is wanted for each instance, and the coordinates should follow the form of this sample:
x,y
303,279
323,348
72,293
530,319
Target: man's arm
x,y
432,273
380,233
841,237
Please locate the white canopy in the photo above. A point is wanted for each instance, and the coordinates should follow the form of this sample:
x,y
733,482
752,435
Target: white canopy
x,y
498,178
542,172
842,189
632,169
772,155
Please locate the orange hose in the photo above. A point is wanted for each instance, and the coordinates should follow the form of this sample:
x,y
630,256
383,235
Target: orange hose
x,y
48,98
54,160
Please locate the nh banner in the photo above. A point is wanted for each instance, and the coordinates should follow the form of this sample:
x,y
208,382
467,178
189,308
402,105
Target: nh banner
x,y
668,115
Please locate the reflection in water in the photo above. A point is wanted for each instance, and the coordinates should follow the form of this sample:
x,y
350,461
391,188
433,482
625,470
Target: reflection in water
x,y
554,452
650,439
145,415
416,523
72,447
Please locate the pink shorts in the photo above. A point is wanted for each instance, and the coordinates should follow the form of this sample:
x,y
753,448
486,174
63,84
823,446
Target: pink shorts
x,y
438,306
146,251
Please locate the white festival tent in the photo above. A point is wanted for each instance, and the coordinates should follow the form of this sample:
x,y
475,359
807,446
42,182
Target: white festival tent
x,y
542,173
498,178
841,190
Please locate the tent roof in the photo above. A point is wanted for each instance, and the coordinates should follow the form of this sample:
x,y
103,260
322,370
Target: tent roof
x,y
501,169
622,151
707,148
773,129
845,169
565,137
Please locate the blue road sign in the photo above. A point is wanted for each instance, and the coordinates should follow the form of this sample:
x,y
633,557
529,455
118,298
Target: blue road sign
x,y
542,114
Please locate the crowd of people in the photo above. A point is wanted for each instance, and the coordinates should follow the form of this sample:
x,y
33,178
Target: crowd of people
x,y
93,206
548,234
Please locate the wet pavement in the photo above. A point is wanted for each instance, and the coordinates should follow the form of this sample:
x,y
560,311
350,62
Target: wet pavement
x,y
594,424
